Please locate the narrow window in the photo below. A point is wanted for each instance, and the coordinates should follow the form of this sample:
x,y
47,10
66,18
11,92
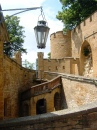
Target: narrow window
x,y
56,67
57,104
49,68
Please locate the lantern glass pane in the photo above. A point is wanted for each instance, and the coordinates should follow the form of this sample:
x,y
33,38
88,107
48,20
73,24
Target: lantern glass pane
x,y
41,33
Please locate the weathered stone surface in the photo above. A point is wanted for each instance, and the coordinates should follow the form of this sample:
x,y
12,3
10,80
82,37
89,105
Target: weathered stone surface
x,y
71,119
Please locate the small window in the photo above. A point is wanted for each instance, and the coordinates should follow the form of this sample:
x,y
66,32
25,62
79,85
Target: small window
x,y
63,67
49,68
56,67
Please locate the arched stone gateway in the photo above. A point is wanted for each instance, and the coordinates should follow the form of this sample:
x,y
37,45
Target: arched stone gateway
x,y
86,60
41,106
57,104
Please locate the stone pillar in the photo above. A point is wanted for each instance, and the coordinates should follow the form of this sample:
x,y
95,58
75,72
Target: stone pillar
x,y
40,65
1,81
18,57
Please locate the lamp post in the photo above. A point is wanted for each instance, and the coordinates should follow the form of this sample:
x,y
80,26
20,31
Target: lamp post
x,y
41,30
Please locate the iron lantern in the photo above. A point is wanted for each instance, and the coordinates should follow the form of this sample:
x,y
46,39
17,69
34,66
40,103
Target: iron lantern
x,y
41,33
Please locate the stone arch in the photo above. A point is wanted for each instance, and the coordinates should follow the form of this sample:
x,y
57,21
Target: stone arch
x,y
57,102
86,61
41,106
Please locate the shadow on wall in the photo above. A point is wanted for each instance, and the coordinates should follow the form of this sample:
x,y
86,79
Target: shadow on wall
x,y
63,98
77,39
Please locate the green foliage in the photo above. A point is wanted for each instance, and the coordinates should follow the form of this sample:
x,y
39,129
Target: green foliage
x,y
15,35
75,11
28,65
86,51
49,55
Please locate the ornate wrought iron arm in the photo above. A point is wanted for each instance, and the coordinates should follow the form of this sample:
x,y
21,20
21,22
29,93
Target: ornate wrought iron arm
x,y
41,30
23,10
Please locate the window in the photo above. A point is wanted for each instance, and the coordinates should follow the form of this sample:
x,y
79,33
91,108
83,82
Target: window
x,y
57,104
56,67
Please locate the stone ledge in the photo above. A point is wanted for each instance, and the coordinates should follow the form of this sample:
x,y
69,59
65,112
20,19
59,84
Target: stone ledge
x,y
74,77
48,117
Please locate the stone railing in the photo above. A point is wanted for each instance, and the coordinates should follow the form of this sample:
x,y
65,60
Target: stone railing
x,y
41,88
73,77
80,118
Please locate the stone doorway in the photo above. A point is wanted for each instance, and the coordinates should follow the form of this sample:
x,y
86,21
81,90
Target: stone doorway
x,y
41,106
57,103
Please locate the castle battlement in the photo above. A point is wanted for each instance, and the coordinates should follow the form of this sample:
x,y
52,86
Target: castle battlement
x,y
60,34
87,23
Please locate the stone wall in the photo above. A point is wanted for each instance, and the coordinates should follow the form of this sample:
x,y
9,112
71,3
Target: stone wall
x,y
78,90
1,82
15,80
83,118
83,35
67,65
84,31
3,37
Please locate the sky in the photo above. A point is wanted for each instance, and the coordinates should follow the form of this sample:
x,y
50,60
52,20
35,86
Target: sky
x,y
29,20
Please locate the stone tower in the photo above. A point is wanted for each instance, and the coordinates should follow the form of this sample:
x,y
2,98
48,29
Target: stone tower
x,y
60,45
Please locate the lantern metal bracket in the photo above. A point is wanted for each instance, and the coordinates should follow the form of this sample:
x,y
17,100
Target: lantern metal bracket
x,y
22,10
41,30
42,14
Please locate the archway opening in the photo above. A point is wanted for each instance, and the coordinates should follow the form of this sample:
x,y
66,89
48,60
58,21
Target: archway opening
x,y
86,60
57,102
41,106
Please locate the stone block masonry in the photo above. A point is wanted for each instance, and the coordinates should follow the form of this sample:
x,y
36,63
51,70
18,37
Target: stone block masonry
x,y
1,81
81,118
16,79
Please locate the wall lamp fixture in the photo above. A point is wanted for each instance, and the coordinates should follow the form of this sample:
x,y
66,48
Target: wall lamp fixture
x,y
41,30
